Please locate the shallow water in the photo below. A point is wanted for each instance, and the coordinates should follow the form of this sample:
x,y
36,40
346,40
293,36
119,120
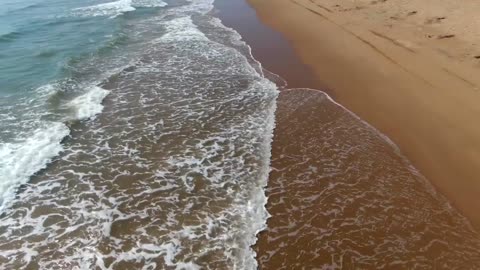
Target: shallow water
x,y
160,163
141,138
50,54
342,196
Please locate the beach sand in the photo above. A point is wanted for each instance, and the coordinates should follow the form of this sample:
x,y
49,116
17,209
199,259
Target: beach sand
x,y
341,194
342,197
409,68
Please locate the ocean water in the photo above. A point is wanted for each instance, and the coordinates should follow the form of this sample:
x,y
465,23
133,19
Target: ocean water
x,y
135,134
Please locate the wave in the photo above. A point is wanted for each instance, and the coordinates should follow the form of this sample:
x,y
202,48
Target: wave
x,y
89,104
47,53
19,161
18,9
111,9
148,3
27,7
116,8
218,156
10,36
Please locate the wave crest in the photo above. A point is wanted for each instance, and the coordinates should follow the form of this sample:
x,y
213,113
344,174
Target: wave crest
x,y
21,159
116,8
89,104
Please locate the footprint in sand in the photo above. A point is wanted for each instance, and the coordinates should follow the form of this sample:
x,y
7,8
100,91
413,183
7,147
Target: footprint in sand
x,y
401,17
445,36
351,9
441,36
377,2
435,20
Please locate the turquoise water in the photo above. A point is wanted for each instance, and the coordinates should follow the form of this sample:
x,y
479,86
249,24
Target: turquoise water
x,y
38,40
52,52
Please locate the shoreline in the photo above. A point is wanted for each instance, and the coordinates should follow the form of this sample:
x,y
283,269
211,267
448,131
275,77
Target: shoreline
x,y
423,102
341,193
341,196
268,46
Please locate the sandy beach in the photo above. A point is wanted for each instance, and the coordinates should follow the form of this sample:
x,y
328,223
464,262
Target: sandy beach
x,y
409,68
244,134
342,197
341,194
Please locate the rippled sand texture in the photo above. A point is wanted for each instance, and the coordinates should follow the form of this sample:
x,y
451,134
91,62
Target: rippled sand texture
x,y
341,197
169,176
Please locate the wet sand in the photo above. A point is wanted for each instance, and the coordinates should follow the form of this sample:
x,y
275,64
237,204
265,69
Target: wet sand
x,y
408,69
342,197
341,194
269,47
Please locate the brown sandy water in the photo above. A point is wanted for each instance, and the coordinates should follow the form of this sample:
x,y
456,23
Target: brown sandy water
x,y
341,195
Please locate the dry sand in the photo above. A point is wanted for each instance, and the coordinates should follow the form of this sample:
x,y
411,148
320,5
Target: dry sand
x,y
410,68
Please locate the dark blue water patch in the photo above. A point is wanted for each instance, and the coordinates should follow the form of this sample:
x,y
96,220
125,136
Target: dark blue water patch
x,y
9,37
27,8
47,53
13,6
60,21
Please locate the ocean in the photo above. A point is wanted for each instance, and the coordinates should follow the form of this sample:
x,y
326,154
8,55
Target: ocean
x,y
134,135
141,134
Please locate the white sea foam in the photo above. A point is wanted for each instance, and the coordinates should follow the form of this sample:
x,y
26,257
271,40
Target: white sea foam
x,y
111,9
19,161
148,3
47,90
215,177
182,29
202,6
116,8
253,212
88,104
